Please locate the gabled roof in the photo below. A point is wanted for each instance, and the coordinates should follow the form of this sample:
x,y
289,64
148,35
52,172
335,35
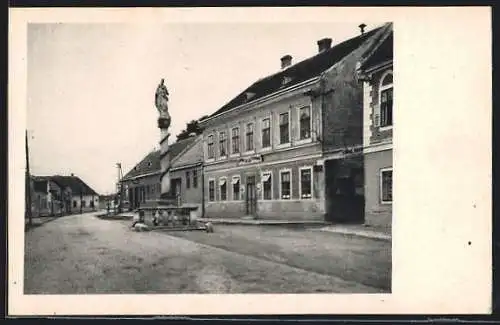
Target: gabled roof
x,y
192,154
297,73
382,50
76,185
151,163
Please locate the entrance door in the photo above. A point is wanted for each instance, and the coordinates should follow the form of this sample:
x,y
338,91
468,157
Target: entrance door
x,y
176,188
251,196
344,200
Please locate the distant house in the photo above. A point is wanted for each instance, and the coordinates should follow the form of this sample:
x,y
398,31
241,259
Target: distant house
x,y
186,175
77,196
107,201
46,197
142,182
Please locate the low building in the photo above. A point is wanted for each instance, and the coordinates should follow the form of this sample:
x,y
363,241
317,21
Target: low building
x,y
186,176
46,197
376,71
290,145
78,197
142,182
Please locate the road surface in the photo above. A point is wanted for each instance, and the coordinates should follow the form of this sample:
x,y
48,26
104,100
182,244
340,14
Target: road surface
x,y
84,254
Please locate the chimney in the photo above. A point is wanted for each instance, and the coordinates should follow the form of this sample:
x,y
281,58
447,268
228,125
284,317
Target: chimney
x,y
362,28
286,61
72,174
324,44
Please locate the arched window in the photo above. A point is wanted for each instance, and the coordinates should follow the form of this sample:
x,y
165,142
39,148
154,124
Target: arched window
x,y
385,99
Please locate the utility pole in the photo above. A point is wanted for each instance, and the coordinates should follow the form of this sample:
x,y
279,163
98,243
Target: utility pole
x,y
28,183
120,188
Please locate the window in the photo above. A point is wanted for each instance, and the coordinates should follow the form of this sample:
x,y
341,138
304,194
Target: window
x,y
306,183
148,191
285,185
284,128
210,147
235,140
266,133
74,204
267,186
236,188
249,137
92,204
84,203
222,189
188,180
386,101
305,122
386,185
222,144
211,190
195,178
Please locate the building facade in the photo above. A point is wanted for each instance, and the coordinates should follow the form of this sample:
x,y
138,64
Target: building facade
x,y
288,147
142,182
376,71
186,176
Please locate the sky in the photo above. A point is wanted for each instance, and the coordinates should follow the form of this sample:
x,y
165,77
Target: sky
x,y
91,86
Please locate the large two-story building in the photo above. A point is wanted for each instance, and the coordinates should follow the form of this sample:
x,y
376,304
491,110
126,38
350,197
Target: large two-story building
x,y
289,146
376,71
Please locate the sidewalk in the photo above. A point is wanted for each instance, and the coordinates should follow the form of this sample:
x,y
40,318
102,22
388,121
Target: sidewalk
x,y
242,221
359,230
356,230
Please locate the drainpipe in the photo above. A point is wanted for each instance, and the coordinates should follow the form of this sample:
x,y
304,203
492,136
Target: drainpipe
x,y
202,190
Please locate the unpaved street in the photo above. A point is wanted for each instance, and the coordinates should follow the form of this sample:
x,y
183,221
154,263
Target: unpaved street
x,y
83,254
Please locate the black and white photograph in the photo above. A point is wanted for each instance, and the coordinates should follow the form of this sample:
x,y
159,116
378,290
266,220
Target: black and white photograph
x,y
215,157
274,175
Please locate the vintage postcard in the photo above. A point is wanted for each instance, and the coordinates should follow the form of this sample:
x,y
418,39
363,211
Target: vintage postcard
x,y
176,161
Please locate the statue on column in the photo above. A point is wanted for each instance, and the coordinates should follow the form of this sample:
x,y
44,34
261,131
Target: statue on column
x,y
161,102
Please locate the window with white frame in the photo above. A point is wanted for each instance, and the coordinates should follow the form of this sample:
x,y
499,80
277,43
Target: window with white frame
x,y
236,188
305,122
284,121
210,147
235,140
188,179
386,89
306,182
222,143
386,185
267,186
249,137
211,190
285,184
266,132
222,189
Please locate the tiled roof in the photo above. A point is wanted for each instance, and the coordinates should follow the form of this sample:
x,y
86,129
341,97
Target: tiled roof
x,y
299,72
75,183
382,54
151,163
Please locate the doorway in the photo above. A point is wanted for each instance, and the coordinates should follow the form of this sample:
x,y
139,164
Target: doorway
x,y
176,188
251,196
344,199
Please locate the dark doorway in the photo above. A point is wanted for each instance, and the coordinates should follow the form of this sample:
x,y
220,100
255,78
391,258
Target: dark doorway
x,y
344,182
176,188
251,197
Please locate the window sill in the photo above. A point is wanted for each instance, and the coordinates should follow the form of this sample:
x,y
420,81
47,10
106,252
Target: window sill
x,y
234,155
251,152
385,128
222,158
266,149
210,160
304,141
283,145
386,202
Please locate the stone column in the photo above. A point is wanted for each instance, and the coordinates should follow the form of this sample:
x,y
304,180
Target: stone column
x,y
164,161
